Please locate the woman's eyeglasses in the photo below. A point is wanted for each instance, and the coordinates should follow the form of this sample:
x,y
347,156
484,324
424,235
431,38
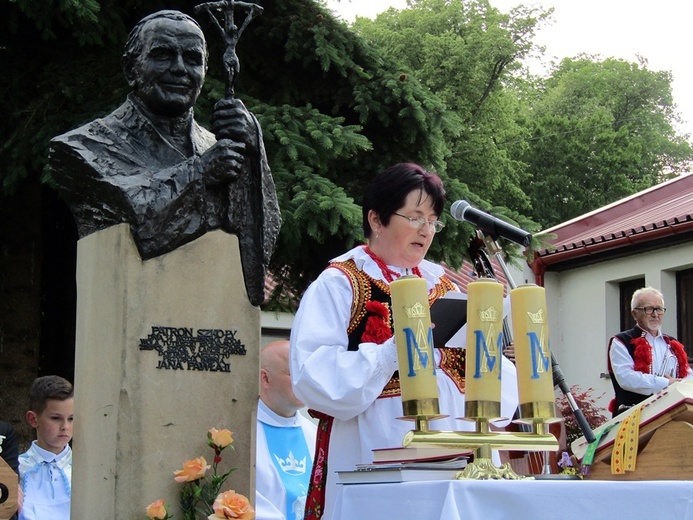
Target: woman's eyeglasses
x,y
418,223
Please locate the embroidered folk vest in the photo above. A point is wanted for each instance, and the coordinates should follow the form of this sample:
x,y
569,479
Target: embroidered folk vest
x,y
632,339
371,319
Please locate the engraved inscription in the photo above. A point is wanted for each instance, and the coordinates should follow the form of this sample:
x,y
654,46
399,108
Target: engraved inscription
x,y
180,348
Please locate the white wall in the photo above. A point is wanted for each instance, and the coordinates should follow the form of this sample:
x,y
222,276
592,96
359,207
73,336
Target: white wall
x,y
275,326
583,310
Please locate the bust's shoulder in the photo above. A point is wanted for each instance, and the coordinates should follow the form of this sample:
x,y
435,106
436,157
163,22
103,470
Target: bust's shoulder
x,y
123,116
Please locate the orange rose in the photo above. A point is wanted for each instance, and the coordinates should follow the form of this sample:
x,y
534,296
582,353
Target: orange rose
x,y
157,510
220,438
230,504
192,470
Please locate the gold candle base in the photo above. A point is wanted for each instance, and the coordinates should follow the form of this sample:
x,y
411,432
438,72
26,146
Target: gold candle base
x,y
484,469
482,441
537,411
489,410
482,438
421,411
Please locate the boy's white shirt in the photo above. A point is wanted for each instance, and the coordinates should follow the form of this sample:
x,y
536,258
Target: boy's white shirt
x,y
45,479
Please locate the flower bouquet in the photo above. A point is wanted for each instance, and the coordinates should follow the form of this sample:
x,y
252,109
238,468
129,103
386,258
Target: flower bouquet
x,y
201,497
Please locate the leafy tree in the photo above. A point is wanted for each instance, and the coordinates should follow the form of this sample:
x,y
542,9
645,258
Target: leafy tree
x,y
601,130
466,52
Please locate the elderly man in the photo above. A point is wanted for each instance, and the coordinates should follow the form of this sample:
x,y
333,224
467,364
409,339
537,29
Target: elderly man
x,y
149,164
642,360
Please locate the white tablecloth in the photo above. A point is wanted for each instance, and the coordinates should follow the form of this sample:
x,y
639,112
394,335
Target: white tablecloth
x,y
517,499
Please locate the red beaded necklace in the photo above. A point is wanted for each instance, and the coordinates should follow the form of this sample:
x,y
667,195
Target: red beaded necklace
x,y
388,273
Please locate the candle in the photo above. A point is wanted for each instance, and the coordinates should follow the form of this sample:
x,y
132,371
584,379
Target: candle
x,y
414,339
532,354
484,347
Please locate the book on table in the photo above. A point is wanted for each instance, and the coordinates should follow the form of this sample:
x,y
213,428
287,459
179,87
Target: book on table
x,y
419,454
445,469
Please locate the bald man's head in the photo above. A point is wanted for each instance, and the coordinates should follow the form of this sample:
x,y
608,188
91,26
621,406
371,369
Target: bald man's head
x,y
275,379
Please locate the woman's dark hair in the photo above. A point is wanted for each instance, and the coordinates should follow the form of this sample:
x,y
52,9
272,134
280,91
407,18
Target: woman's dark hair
x,y
388,190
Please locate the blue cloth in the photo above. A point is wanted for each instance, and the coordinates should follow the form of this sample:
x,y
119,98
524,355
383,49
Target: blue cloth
x,y
293,467
280,494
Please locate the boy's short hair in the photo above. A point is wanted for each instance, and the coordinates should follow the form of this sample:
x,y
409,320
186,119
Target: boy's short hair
x,y
48,387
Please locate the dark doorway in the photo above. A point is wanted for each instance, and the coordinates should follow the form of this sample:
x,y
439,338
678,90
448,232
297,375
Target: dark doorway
x,y
58,288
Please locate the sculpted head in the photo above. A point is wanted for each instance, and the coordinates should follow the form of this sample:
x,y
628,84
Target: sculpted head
x,y
165,62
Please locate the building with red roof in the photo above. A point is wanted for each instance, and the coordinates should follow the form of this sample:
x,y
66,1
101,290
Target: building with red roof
x,y
597,260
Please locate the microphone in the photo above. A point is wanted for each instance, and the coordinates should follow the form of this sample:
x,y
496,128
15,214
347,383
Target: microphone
x,y
559,381
463,210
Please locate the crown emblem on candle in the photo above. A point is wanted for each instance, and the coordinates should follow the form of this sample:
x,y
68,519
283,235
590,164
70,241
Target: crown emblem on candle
x,y
416,311
536,317
292,465
490,314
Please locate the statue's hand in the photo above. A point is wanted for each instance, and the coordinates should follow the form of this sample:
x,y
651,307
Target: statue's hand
x,y
232,120
222,162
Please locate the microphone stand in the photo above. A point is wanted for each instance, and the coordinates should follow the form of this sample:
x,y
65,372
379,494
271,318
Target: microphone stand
x,y
558,378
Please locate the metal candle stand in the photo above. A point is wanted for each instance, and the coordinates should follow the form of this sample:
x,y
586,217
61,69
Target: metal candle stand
x,y
482,440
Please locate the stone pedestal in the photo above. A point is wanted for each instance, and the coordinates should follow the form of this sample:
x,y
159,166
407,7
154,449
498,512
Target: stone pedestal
x,y
165,350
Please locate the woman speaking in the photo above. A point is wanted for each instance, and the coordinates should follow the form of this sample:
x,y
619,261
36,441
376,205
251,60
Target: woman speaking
x,y
343,353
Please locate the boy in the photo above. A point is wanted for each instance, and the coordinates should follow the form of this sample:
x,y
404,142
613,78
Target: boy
x,y
45,470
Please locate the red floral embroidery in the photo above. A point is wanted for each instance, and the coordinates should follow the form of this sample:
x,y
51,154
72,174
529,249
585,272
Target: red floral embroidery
x,y
377,324
642,356
320,461
681,357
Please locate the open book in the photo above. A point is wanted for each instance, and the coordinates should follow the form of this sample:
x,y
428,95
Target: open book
x,y
675,401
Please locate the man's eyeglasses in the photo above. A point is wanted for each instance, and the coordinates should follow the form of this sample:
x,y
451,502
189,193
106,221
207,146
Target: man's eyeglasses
x,y
418,223
650,310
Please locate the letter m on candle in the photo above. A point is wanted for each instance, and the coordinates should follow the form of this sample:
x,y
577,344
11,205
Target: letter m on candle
x,y
540,362
417,358
485,359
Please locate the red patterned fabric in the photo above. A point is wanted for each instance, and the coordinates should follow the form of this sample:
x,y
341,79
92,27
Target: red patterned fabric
x,y
315,501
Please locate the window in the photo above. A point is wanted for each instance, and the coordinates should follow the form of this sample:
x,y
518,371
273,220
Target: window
x,y
626,290
684,308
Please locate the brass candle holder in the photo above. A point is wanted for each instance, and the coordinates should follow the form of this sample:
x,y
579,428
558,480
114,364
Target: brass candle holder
x,y
419,389
483,441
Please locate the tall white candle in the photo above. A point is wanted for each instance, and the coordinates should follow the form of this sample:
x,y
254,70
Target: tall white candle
x,y
484,333
414,338
531,336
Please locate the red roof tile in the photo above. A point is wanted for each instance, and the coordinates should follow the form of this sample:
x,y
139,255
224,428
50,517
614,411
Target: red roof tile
x,y
466,275
663,210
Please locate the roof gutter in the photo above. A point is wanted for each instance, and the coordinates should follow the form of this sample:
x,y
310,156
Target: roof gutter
x,y
542,262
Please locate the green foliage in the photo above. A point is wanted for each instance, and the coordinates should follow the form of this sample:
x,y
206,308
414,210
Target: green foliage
x,y
465,52
602,130
439,83
318,217
587,403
